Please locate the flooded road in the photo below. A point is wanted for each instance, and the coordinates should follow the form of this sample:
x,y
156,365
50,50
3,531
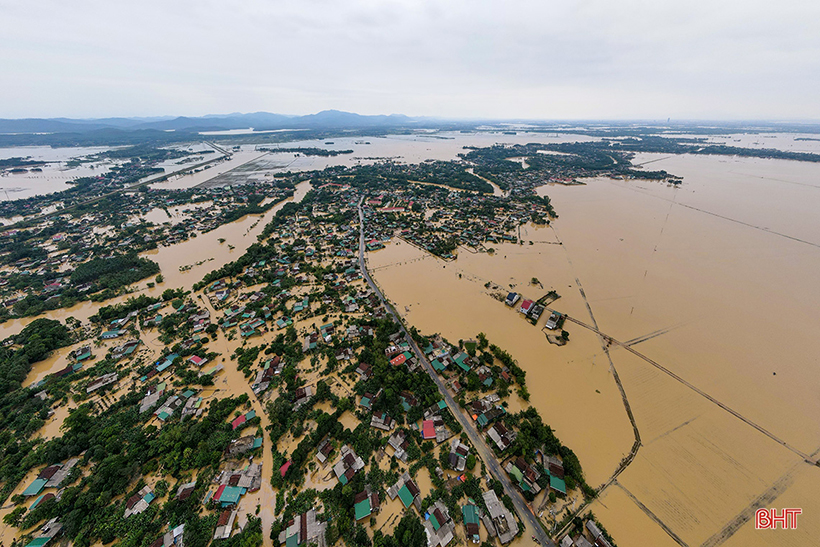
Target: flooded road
x,y
714,280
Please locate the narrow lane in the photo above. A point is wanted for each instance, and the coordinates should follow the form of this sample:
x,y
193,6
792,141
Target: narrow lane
x,y
487,455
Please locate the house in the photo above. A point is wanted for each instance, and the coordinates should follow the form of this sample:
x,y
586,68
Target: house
x,y
525,475
365,503
407,491
382,421
348,465
102,381
241,445
224,525
185,490
501,436
526,307
512,298
597,535
126,349
139,502
240,420
234,484
364,371
552,321
399,444
304,529
472,526
408,400
488,416
367,400
228,495
463,361
81,354
502,522
59,474
458,455
111,334
152,397
558,485
167,362
193,406
47,533
438,525
428,429
301,396
310,342
345,354
554,466
323,450
167,409
197,361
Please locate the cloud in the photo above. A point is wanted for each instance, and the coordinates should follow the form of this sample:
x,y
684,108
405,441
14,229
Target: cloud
x,y
526,59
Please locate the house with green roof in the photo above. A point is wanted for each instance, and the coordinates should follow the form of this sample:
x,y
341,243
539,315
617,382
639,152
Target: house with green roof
x,y
405,496
471,520
365,503
558,485
462,360
35,487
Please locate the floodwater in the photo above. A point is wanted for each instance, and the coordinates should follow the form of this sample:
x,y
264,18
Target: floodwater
x,y
715,282
203,253
710,283
159,215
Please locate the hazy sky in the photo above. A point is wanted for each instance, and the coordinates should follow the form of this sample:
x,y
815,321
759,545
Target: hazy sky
x,y
502,58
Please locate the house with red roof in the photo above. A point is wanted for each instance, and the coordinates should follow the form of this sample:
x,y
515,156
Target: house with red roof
x,y
428,429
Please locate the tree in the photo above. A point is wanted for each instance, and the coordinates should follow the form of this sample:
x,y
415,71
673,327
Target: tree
x,y
409,532
471,462
14,518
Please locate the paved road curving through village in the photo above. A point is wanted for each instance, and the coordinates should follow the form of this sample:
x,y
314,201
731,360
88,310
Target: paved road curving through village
x,y
524,511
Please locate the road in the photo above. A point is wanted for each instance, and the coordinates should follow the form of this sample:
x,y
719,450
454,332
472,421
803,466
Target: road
x,y
487,455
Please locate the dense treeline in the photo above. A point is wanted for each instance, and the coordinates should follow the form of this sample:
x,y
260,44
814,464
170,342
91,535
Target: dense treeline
x,y
21,413
309,151
115,272
450,174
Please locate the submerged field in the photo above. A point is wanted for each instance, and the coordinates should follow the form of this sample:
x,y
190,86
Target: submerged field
x,y
713,282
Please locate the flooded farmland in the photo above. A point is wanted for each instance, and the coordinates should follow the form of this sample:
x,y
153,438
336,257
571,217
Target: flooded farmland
x,y
713,282
701,299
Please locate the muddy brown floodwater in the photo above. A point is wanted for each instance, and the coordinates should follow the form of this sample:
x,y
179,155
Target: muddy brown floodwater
x,y
203,253
708,290
713,286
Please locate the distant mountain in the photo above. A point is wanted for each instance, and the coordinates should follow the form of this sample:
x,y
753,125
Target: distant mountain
x,y
327,119
337,119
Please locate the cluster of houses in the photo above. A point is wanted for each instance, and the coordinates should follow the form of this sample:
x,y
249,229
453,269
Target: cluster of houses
x,y
528,308
232,484
463,221
591,537
304,529
348,465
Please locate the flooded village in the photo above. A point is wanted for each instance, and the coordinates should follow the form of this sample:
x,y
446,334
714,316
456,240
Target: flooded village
x,y
495,339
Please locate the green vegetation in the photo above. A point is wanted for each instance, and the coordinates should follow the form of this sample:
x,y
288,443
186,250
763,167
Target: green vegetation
x,y
22,414
114,272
